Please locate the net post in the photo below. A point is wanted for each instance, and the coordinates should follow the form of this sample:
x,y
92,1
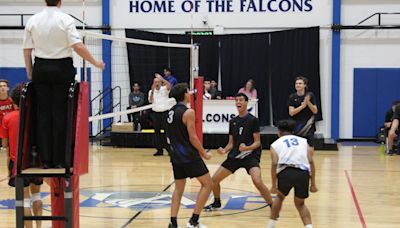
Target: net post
x,y
194,64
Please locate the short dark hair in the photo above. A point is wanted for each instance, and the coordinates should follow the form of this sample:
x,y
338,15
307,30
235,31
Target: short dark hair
x,y
168,69
304,79
5,81
52,2
16,93
396,102
246,98
133,84
207,80
178,91
286,126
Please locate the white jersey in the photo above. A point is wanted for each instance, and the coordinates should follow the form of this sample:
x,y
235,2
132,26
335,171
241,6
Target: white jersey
x,y
292,152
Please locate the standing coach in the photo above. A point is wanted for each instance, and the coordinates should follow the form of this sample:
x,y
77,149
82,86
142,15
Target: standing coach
x,y
51,35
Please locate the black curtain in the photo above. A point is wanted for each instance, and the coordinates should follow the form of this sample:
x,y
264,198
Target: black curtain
x,y
276,57
146,60
294,53
244,57
208,56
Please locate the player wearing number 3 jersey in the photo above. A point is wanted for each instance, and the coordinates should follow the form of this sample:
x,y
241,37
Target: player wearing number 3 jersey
x,y
293,167
186,152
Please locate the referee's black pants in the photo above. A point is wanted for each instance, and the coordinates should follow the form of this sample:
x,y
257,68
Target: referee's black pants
x,y
51,80
159,122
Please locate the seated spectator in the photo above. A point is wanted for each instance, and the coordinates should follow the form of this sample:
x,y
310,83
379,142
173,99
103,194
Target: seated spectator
x,y
392,128
169,77
207,87
136,99
249,89
215,93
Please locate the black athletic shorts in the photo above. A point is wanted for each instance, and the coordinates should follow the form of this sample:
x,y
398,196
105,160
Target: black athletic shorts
x,y
27,180
293,177
183,171
235,164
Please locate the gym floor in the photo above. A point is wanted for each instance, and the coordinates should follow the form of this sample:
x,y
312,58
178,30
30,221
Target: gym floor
x,y
358,187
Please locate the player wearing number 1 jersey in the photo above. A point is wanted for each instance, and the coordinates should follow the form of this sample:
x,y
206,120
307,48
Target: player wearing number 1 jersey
x,y
244,151
293,166
186,154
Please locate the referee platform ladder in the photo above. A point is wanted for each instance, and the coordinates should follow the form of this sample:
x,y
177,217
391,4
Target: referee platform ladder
x,y
64,182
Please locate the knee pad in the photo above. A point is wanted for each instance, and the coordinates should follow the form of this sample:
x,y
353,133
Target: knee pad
x,y
35,197
27,203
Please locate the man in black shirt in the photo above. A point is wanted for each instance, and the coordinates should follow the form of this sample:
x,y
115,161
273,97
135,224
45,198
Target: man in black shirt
x,y
244,151
186,153
302,108
393,130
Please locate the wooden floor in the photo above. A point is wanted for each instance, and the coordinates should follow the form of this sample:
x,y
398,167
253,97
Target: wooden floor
x,y
123,182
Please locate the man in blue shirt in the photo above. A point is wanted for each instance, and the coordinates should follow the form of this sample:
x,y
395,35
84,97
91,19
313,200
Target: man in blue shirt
x,y
169,77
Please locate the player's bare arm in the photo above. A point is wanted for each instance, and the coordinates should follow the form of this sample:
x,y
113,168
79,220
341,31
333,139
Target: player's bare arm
x,y
313,187
189,121
274,166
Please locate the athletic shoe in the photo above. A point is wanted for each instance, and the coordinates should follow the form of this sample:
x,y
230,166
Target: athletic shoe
x,y
199,225
158,153
172,226
213,207
391,152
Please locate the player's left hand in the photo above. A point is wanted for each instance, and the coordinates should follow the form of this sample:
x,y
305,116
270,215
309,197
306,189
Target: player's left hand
x,y
274,190
242,147
313,188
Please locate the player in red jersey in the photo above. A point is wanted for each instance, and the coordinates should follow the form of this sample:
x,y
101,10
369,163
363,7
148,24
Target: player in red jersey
x,y
9,134
6,103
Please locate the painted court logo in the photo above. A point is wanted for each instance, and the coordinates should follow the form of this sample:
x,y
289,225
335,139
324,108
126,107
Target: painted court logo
x,y
136,200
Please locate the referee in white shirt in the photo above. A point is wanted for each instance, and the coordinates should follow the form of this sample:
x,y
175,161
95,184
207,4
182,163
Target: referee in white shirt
x,y
51,35
159,95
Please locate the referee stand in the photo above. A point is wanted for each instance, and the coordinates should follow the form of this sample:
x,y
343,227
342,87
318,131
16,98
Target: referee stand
x,y
64,182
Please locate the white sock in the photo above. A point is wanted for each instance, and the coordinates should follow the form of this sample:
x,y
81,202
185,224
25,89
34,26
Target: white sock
x,y
271,223
308,226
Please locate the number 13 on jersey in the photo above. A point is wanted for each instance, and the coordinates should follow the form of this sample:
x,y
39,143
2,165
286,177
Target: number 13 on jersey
x,y
291,142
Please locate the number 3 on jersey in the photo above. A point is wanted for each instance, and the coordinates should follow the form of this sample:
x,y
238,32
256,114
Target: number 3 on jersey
x,y
170,117
291,142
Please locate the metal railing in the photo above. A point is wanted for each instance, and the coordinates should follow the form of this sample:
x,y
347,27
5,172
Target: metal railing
x,y
111,107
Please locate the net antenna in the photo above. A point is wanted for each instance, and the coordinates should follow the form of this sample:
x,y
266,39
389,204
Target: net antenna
x,y
194,53
85,76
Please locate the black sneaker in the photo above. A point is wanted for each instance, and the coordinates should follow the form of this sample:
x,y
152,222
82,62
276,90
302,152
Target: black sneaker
x,y
213,207
391,152
172,226
158,153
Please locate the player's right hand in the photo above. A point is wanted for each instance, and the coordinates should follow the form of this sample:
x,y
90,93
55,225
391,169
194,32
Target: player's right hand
x,y
313,188
221,151
207,156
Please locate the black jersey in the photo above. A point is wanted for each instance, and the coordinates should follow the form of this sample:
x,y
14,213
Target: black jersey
x,y
305,123
389,115
396,114
182,151
242,130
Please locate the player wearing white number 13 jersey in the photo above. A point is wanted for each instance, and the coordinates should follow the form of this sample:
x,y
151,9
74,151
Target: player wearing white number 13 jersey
x,y
292,167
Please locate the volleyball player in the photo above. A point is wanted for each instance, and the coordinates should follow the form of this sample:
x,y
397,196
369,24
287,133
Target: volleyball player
x,y
186,153
6,103
393,130
244,151
9,133
302,109
293,166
